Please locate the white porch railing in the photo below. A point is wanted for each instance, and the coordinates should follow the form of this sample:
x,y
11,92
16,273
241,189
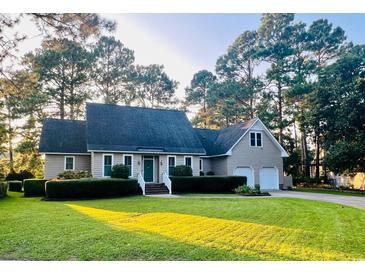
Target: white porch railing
x,y
142,183
166,180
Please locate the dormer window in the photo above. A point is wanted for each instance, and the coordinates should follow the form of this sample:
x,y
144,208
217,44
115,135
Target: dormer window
x,y
256,139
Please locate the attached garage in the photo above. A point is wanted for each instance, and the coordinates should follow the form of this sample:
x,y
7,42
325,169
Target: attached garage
x,y
269,178
247,172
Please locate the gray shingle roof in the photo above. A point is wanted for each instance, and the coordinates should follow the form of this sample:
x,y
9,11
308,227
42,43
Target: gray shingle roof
x,y
217,142
124,128
63,136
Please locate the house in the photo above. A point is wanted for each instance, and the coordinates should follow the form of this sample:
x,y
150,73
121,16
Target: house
x,y
151,142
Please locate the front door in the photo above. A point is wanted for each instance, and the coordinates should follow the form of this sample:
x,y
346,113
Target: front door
x,y
148,170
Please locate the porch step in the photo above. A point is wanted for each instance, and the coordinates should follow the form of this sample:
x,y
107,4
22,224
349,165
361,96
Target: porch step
x,y
156,189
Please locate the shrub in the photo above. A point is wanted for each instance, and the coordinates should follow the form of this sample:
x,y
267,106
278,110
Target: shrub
x,y
247,189
3,189
120,171
16,186
201,173
14,176
183,170
91,188
206,184
70,174
34,187
210,173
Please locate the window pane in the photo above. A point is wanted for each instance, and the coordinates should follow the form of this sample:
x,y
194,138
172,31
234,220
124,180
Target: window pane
x,y
107,160
200,164
188,161
128,160
171,161
171,170
258,137
253,142
107,170
69,163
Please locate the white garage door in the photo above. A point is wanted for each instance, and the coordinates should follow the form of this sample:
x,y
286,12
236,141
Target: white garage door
x,y
245,171
269,178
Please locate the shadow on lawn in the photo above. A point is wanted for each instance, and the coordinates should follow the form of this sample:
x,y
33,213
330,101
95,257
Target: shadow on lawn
x,y
244,238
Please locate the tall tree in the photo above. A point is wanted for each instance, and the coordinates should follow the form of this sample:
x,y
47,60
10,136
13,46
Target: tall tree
x,y
339,110
277,33
153,87
197,92
240,64
112,71
325,44
64,68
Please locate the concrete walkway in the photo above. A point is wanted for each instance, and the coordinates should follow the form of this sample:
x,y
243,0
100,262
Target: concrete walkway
x,y
358,202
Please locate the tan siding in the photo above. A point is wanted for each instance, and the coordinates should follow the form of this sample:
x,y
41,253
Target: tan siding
x,y
206,165
219,165
245,155
55,164
97,168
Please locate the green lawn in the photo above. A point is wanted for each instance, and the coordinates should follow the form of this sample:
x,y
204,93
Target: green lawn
x,y
330,191
149,228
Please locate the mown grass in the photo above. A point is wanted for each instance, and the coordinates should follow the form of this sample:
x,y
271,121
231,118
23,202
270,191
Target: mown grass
x,y
331,191
150,228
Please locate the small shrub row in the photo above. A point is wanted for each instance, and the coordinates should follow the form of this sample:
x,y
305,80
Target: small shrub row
x,y
3,189
91,188
34,187
70,174
206,184
15,176
16,186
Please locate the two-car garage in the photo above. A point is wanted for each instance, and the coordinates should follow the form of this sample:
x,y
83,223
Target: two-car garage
x,y
268,177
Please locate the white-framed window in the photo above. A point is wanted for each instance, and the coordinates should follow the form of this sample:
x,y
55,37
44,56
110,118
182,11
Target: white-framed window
x,y
171,164
188,161
128,161
201,164
69,163
255,139
108,162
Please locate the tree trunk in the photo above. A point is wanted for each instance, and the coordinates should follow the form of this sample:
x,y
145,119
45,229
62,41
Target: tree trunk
x,y
304,154
317,155
280,99
10,141
62,105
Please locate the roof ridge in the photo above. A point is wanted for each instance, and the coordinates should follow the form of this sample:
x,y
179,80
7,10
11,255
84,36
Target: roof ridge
x,y
135,107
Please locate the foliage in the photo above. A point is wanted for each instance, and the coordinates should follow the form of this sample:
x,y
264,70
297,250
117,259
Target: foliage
x,y
210,173
120,171
153,87
244,189
90,188
15,176
16,186
3,189
206,184
182,170
113,70
71,174
34,187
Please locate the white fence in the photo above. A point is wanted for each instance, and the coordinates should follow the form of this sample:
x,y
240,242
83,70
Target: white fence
x,y
142,183
166,180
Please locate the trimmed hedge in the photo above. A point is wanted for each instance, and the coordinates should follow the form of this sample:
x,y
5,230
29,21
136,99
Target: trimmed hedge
x,y
183,170
206,184
74,174
120,171
3,189
14,176
16,186
34,187
91,188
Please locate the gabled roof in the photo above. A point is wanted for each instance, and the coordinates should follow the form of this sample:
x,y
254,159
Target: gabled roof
x,y
219,142
124,128
63,136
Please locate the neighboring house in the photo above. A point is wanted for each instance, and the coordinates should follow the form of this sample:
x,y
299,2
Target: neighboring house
x,y
151,142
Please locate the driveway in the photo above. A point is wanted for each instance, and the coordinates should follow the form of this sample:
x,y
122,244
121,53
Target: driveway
x,y
358,202
354,201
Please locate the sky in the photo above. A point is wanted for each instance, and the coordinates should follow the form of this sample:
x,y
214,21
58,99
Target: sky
x,y
187,43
